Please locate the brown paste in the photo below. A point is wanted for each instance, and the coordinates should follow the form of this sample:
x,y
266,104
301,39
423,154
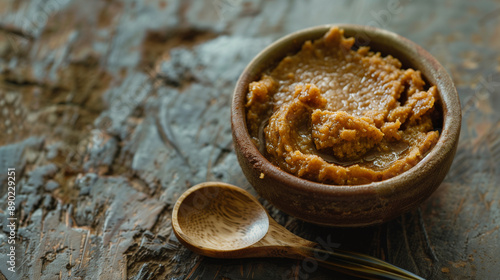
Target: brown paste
x,y
340,116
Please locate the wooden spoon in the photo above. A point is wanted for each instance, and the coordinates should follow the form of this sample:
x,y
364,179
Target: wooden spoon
x,y
223,221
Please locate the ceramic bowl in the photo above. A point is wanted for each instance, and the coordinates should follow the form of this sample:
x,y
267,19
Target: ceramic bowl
x,y
352,205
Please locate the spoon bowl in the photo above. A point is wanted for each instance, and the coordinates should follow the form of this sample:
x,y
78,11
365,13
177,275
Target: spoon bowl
x,y
223,221
220,219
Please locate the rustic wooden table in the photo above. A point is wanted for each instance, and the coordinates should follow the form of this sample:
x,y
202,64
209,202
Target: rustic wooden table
x,y
109,110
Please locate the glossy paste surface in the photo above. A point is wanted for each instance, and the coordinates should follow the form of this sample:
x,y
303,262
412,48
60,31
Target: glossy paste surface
x,y
336,115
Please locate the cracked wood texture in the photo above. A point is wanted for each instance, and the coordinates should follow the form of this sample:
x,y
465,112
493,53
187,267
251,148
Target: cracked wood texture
x,y
109,110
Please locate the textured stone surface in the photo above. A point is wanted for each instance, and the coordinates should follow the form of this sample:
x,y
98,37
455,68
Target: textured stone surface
x,y
109,110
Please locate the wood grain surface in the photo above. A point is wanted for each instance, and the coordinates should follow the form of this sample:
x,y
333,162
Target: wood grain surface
x,y
109,110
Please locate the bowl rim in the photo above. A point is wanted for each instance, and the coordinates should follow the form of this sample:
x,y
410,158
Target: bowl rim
x,y
450,103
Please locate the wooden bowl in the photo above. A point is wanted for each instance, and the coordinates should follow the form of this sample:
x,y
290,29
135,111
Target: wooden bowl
x,y
350,205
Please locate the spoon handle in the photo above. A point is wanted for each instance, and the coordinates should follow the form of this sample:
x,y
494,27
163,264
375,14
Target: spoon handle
x,y
356,264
